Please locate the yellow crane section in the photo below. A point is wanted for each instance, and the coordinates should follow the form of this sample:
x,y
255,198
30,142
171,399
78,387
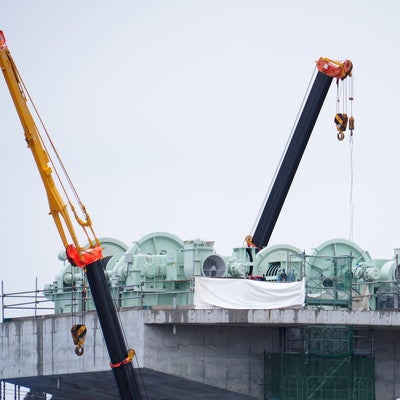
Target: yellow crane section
x,y
90,258
58,208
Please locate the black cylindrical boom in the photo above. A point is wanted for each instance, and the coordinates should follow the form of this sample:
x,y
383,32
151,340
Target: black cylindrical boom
x,y
291,160
125,374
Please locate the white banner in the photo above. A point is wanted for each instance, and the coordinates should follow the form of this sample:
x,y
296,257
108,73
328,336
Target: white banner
x,y
247,294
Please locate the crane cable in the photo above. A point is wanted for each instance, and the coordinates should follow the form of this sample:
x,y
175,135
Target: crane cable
x,y
284,152
84,224
131,352
345,94
78,330
351,205
78,298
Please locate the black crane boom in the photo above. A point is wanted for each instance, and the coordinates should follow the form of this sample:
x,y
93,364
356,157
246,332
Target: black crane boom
x,y
327,70
125,374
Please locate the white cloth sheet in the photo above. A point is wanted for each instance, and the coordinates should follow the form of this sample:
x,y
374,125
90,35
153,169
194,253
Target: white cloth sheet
x,y
245,294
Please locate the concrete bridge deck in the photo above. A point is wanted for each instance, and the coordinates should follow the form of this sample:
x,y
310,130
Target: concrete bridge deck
x,y
182,353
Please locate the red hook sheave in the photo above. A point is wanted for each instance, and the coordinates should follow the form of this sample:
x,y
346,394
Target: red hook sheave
x,y
84,257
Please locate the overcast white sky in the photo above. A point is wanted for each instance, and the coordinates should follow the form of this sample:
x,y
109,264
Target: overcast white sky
x,y
172,116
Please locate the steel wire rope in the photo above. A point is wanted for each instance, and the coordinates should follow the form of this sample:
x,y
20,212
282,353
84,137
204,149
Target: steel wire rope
x,y
73,316
117,310
283,153
83,299
344,94
338,96
25,90
72,187
74,298
75,301
351,204
138,371
56,153
141,378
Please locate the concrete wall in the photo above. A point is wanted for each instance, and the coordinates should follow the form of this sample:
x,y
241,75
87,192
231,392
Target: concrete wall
x,y
222,348
44,346
387,364
230,358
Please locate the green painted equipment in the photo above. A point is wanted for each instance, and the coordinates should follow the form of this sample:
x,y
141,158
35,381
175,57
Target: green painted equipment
x,y
274,261
159,270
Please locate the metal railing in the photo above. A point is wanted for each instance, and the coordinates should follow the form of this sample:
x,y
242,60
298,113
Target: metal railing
x,y
38,302
350,295
27,300
10,391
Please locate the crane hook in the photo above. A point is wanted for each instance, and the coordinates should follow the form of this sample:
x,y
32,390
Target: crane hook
x,y
340,135
341,124
78,333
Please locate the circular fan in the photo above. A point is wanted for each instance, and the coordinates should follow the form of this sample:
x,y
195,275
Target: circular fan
x,y
214,267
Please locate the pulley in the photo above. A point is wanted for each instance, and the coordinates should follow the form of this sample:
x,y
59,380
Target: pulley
x,y
78,333
249,241
341,124
351,125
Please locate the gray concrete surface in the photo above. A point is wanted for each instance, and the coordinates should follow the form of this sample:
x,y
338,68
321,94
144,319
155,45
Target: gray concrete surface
x,y
182,353
273,317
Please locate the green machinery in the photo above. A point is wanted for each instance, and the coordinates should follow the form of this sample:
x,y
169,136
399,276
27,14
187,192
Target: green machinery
x,y
159,270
